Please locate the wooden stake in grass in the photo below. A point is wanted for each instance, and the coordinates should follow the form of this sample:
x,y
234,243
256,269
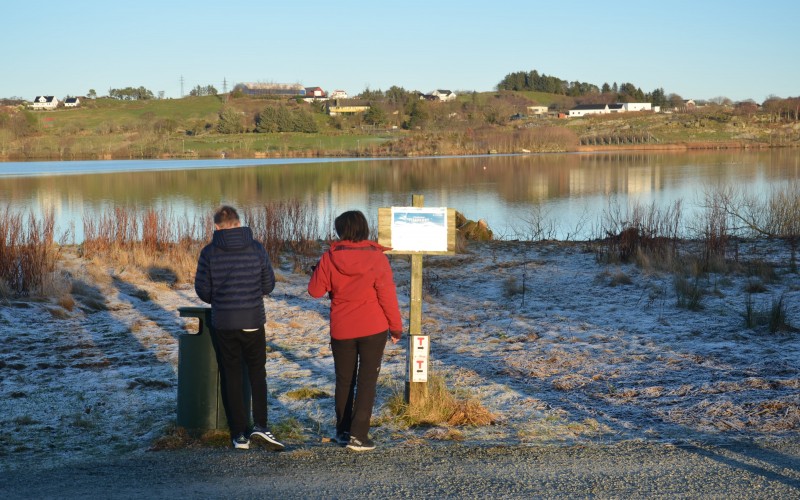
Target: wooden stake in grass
x,y
416,390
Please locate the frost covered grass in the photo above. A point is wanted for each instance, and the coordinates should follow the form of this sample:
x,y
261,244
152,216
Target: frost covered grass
x,y
557,345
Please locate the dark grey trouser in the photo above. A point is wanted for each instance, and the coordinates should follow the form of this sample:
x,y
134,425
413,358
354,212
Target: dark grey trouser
x,y
357,363
233,347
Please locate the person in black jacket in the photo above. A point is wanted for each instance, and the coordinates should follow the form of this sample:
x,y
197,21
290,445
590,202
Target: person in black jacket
x,y
233,275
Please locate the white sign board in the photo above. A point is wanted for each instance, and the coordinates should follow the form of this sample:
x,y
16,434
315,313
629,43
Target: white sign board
x,y
420,348
419,229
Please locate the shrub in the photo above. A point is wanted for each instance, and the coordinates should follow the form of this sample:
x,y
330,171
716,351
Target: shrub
x,y
230,122
774,316
689,294
641,233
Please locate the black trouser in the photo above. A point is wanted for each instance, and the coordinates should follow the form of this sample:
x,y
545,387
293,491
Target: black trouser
x,y
234,347
357,363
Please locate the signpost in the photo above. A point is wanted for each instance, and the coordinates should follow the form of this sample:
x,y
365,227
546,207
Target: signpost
x,y
417,231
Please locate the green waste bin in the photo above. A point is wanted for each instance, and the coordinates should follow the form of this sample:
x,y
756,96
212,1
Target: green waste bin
x,y
200,393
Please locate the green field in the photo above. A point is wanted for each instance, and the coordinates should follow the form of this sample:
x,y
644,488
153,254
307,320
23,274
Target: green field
x,y
475,123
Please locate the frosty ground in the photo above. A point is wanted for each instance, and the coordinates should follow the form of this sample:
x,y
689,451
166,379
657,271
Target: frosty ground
x,y
561,347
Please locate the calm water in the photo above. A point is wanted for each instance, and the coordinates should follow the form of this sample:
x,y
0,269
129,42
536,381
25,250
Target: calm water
x,y
571,190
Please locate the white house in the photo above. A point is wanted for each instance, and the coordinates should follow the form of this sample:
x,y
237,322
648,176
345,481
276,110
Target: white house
x,y
338,94
537,110
589,109
45,102
601,109
72,102
637,106
443,95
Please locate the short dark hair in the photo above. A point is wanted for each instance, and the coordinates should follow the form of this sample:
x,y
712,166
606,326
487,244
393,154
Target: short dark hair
x,y
352,226
226,217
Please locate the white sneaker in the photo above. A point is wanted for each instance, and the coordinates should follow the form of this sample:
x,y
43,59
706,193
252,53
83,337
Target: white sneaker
x,y
264,435
240,442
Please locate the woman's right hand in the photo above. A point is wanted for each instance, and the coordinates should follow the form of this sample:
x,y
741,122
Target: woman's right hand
x,y
396,335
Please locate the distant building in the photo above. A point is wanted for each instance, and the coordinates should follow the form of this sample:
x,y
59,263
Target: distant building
x,y
72,102
338,94
347,106
267,89
315,92
537,110
616,108
443,95
44,102
589,109
637,106
686,105
602,109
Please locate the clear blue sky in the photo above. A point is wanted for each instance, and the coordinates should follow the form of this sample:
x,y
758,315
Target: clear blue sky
x,y
698,49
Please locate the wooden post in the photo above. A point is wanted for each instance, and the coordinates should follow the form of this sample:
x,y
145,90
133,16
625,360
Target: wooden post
x,y
416,392
417,365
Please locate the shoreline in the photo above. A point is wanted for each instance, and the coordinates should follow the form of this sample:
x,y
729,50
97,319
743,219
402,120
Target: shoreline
x,y
310,154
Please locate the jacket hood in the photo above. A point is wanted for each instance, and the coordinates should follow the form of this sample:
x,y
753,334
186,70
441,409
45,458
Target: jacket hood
x,y
352,259
233,238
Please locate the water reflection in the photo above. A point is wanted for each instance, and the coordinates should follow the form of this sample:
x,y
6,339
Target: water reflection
x,y
500,189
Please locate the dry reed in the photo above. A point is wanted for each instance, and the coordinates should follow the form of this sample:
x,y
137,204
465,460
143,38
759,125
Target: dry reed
x,y
154,241
642,233
28,253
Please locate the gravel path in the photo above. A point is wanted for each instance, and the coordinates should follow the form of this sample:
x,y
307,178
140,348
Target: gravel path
x,y
629,470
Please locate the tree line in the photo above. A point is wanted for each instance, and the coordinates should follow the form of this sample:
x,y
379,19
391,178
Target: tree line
x,y
131,94
625,92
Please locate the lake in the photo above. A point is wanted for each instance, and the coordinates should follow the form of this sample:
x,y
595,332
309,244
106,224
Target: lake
x,y
570,191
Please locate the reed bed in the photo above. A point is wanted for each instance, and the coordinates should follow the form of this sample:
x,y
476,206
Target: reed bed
x,y
286,227
28,253
159,243
640,233
154,241
165,245
652,236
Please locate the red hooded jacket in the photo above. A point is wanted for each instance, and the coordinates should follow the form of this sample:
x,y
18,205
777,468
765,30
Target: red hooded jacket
x,y
362,290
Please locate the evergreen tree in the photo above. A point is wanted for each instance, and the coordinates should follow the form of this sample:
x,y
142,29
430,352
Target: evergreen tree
x,y
230,122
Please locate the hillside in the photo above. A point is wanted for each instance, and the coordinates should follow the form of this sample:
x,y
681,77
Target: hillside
x,y
475,123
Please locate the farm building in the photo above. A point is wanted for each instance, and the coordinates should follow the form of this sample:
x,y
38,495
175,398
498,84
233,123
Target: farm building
x,y
589,109
537,110
638,106
267,89
347,106
601,109
315,92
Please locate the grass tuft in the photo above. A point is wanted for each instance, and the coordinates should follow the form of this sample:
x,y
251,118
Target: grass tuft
x,y
307,393
440,407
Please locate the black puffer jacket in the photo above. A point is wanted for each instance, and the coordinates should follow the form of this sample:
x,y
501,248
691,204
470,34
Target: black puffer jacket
x,y
233,275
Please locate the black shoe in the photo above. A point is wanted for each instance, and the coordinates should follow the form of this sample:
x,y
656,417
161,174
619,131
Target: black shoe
x,y
266,436
343,438
356,444
240,442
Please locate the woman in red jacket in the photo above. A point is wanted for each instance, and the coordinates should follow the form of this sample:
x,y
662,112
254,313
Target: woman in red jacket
x,y
356,275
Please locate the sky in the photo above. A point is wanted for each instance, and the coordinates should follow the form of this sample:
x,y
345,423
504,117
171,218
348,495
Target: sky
x,y
697,49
